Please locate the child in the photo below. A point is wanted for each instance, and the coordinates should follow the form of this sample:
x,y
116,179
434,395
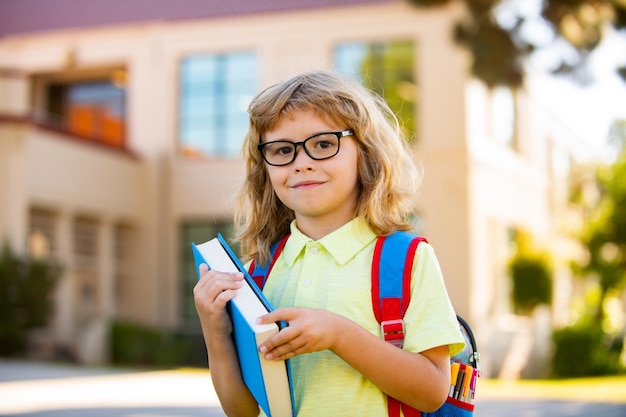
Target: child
x,y
327,163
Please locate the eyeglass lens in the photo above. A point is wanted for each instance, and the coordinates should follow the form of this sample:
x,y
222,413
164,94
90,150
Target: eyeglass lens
x,y
322,146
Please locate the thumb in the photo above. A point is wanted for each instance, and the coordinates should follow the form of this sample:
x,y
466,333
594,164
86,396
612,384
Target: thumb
x,y
282,314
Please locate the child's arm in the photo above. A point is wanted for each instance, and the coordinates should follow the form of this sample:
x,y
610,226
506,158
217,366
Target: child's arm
x,y
211,293
420,380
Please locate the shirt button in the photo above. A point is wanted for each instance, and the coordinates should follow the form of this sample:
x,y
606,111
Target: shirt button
x,y
314,251
306,282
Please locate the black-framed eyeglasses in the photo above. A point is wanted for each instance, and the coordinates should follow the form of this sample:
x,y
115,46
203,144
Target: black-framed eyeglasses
x,y
319,147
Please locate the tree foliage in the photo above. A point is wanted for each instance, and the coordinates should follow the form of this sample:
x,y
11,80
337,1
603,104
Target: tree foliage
x,y
388,71
531,274
585,350
590,347
26,289
501,34
604,233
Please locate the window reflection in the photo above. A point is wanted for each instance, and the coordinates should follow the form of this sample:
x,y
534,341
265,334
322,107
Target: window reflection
x,y
387,68
215,90
92,110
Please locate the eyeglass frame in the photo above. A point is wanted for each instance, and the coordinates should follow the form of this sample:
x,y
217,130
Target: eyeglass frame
x,y
338,134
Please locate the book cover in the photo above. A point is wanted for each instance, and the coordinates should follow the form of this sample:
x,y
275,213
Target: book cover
x,y
268,381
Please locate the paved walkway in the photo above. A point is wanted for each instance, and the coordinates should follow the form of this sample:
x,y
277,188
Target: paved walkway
x,y
547,408
31,389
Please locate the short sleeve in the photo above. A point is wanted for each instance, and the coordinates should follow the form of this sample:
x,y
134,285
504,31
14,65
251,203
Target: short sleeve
x,y
430,319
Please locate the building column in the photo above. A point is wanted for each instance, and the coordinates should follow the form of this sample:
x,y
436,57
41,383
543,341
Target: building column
x,y
107,268
13,192
13,134
64,323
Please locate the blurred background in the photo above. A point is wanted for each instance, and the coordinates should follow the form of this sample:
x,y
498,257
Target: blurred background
x,y
121,124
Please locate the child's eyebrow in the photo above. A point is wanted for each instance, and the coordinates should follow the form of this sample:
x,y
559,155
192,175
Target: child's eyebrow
x,y
295,140
281,140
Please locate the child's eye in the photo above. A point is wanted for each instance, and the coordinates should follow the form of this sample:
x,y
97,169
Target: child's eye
x,y
323,144
282,150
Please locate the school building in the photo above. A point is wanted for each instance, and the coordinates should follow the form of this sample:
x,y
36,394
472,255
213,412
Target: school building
x,y
121,124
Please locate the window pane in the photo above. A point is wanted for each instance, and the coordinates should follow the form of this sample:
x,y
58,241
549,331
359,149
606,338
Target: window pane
x,y
42,233
86,254
503,115
386,68
215,92
93,110
124,269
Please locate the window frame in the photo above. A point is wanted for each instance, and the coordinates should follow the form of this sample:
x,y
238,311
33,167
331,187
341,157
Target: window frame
x,y
223,124
196,231
41,103
409,89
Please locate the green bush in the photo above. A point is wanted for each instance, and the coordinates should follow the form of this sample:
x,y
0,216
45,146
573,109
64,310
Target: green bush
x,y
532,283
531,275
26,289
585,350
135,344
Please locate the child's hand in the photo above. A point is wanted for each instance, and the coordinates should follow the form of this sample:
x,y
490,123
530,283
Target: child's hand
x,y
309,330
211,293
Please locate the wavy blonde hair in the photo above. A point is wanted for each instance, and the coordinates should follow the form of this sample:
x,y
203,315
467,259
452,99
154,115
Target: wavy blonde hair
x,y
388,178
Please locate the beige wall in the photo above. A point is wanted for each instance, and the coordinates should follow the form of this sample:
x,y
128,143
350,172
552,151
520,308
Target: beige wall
x,y
81,177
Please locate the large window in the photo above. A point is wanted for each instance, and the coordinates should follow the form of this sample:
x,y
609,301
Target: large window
x,y
388,68
215,90
125,268
197,232
86,255
93,110
503,116
42,233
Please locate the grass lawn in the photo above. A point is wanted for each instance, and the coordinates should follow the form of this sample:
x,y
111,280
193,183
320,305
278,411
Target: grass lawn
x,y
603,389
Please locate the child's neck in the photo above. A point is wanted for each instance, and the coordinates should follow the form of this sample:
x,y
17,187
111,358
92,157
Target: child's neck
x,y
316,229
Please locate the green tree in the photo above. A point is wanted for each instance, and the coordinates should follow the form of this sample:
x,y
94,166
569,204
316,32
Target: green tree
x,y
26,287
387,69
500,34
604,234
589,347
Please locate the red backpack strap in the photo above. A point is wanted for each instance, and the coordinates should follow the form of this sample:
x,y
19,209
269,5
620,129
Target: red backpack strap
x,y
392,266
259,273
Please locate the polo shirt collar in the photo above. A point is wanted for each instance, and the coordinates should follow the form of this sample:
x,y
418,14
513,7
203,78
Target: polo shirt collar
x,y
342,244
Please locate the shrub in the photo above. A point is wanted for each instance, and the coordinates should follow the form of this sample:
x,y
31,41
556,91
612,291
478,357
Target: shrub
x,y
531,276
26,289
136,344
585,350
532,283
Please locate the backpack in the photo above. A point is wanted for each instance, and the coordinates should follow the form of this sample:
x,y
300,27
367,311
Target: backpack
x,y
392,265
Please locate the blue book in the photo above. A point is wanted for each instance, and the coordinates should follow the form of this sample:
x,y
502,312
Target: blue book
x,y
268,381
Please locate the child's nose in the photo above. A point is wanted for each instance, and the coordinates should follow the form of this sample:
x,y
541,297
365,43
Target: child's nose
x,y
302,159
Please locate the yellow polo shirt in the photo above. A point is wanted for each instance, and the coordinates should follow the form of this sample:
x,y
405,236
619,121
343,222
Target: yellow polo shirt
x,y
334,273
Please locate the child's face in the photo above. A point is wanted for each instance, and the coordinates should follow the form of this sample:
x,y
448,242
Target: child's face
x,y
321,193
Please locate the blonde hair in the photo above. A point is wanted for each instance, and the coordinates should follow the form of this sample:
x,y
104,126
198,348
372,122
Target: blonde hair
x,y
388,177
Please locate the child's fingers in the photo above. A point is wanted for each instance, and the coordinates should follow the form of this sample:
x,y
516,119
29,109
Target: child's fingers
x,y
282,314
210,278
211,294
217,287
309,330
284,345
